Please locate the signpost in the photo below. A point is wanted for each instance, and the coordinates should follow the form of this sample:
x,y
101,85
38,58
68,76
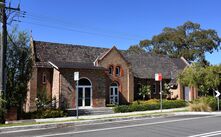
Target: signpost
x,y
76,78
159,77
217,96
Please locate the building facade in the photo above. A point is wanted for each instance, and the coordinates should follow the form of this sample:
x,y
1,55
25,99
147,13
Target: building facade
x,y
107,76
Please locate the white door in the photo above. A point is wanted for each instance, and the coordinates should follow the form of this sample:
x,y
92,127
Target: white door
x,y
84,93
114,95
84,96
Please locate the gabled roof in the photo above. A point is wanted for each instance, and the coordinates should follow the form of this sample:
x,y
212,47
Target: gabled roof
x,y
47,51
144,65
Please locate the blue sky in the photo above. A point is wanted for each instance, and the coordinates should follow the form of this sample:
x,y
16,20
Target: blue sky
x,y
105,23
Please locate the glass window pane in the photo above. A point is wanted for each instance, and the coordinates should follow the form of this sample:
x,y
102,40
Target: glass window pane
x,y
84,82
87,102
116,91
111,91
116,100
79,102
80,92
87,92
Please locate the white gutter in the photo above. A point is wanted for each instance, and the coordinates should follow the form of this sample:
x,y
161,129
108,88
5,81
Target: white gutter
x,y
56,67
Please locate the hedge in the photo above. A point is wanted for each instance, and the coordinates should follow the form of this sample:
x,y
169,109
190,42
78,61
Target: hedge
x,y
152,104
44,113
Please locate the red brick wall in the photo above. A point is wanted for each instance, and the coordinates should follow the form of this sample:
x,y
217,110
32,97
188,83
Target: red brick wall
x,y
98,79
125,80
48,85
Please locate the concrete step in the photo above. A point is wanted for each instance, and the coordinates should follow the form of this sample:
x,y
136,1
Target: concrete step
x,y
91,111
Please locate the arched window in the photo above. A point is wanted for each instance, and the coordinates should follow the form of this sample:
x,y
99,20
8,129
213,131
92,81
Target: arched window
x,y
117,71
84,92
111,68
44,78
84,82
114,93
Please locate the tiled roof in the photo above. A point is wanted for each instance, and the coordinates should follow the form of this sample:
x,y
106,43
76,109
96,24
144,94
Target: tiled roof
x,y
144,65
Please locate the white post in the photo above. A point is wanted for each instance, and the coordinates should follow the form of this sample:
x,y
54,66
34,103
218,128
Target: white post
x,y
161,100
76,99
76,78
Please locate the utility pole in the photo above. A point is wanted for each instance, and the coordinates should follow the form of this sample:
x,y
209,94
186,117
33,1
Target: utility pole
x,y
3,48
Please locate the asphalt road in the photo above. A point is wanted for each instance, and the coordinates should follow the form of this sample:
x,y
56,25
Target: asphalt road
x,y
173,126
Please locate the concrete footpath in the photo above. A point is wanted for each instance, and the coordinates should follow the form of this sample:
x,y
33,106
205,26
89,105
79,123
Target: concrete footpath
x,y
90,119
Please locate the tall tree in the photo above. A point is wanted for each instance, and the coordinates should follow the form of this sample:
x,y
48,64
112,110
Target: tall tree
x,y
188,40
19,68
204,78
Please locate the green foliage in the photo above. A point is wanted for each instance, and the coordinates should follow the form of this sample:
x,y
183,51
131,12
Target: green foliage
x,y
19,68
152,104
136,49
188,40
204,104
144,90
42,101
205,78
110,105
44,113
2,110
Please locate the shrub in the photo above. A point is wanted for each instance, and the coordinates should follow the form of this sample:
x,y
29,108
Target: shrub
x,y
200,107
121,108
203,104
152,104
110,105
45,113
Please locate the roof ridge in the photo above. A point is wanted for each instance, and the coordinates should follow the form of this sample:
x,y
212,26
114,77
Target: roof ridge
x,y
67,44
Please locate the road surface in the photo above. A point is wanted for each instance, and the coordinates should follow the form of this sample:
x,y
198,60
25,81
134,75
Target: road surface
x,y
172,126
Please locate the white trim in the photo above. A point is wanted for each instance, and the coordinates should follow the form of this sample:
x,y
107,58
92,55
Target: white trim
x,y
53,65
83,97
87,79
185,61
114,95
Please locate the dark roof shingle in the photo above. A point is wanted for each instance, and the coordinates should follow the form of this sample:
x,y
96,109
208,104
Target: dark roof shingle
x,y
144,65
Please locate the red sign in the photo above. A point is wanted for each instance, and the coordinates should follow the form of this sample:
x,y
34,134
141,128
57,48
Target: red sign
x,y
158,76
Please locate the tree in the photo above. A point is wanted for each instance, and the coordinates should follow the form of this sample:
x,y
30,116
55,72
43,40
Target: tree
x,y
188,40
204,78
2,110
144,90
136,49
19,68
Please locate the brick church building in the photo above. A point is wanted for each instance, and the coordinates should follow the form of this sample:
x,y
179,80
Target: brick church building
x,y
107,76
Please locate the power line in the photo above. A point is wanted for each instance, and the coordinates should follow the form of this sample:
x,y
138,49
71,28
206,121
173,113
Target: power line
x,y
41,20
79,31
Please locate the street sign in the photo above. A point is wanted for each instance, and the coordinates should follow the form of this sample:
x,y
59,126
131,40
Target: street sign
x,y
217,93
158,76
217,96
76,76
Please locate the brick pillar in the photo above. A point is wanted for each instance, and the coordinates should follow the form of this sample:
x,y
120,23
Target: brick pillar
x,y
30,104
180,91
56,87
130,86
191,94
195,92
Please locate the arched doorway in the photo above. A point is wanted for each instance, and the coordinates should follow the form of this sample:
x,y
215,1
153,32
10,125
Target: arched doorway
x,y
84,93
114,93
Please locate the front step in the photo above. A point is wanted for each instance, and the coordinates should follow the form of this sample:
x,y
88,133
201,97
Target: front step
x,y
91,111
